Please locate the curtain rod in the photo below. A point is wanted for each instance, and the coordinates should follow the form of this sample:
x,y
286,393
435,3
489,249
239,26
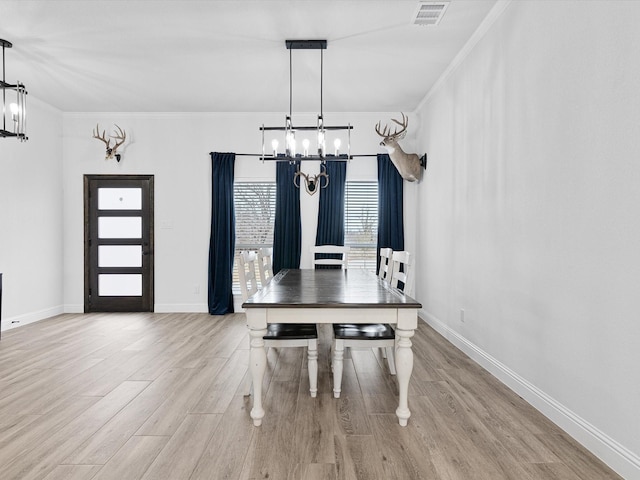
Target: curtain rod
x,y
302,158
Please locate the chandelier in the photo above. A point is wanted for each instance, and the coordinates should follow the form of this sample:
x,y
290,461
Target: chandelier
x,y
291,133
17,108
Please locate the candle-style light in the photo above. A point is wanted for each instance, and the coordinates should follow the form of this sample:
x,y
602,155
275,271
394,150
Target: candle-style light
x,y
336,144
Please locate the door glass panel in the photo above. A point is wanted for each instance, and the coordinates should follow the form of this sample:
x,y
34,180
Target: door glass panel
x,y
119,227
120,255
120,285
119,198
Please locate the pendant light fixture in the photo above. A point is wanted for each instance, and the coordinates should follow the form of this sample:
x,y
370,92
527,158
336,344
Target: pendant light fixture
x,y
14,104
290,133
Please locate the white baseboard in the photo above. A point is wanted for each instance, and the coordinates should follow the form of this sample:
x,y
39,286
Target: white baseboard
x,y
625,462
27,318
74,308
181,308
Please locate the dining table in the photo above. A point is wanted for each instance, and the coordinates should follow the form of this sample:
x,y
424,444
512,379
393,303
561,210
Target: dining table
x,y
331,296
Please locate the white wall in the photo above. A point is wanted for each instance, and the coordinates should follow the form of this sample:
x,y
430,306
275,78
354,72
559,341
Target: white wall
x,y
529,216
175,149
31,219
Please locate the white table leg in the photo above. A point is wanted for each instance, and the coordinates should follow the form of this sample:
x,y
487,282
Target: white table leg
x,y
338,354
257,365
312,365
404,367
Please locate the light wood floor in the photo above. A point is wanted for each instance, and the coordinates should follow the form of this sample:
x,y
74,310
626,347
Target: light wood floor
x,y
159,396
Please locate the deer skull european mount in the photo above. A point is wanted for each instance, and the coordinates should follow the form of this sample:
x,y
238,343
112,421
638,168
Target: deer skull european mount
x,y
311,182
409,165
120,136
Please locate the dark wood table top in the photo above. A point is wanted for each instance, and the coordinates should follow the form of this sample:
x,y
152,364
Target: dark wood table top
x,y
355,288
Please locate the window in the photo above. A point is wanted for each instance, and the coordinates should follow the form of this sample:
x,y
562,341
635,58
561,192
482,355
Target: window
x,y
361,224
255,208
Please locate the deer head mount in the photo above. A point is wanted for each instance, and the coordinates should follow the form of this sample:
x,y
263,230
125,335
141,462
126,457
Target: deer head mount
x,y
311,182
409,165
120,136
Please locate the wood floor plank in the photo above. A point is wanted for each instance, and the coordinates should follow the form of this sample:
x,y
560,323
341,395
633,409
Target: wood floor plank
x,y
317,471
10,425
223,387
506,426
52,450
133,459
73,472
477,443
402,449
102,445
314,428
166,419
226,452
20,442
21,396
275,439
556,471
351,415
180,456
357,457
577,458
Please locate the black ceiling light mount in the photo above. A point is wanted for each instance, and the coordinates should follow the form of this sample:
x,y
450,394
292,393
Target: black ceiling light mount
x,y
306,44
15,108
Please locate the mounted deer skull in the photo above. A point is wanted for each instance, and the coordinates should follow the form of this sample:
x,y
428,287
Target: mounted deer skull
x,y
409,165
120,137
311,182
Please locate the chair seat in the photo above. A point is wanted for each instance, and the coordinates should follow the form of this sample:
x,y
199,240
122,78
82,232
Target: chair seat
x,y
364,331
291,331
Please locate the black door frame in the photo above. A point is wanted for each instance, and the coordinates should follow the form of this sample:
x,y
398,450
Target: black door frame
x,y
92,303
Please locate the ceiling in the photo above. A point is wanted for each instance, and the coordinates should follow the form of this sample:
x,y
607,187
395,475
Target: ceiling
x,y
229,56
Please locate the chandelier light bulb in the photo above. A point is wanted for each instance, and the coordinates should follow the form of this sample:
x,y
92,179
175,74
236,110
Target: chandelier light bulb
x,y
14,109
337,143
274,147
305,147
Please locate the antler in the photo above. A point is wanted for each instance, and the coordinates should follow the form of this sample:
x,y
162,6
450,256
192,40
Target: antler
x,y
121,135
311,181
396,134
103,138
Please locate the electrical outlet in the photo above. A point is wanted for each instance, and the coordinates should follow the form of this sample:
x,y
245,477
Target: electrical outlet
x,y
462,315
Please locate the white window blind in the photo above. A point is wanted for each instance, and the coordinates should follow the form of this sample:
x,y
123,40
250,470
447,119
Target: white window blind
x,y
361,223
255,208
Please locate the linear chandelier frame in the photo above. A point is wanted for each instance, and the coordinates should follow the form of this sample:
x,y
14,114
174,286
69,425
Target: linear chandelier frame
x,y
290,154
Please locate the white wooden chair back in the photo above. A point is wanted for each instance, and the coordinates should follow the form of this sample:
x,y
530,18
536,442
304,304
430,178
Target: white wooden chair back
x,y
247,274
330,249
399,274
265,265
384,272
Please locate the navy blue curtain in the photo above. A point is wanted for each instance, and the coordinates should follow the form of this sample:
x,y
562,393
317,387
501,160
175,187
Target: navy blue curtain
x,y
223,234
390,213
287,229
330,229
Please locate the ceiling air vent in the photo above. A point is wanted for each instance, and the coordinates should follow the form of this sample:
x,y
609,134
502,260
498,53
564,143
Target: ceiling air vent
x,y
430,13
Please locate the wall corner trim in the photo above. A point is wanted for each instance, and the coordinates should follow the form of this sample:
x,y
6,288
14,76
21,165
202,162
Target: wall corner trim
x,y
493,15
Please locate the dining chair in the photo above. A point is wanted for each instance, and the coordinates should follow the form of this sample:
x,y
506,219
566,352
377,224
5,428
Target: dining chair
x,y
280,334
339,256
265,265
373,335
401,262
384,271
